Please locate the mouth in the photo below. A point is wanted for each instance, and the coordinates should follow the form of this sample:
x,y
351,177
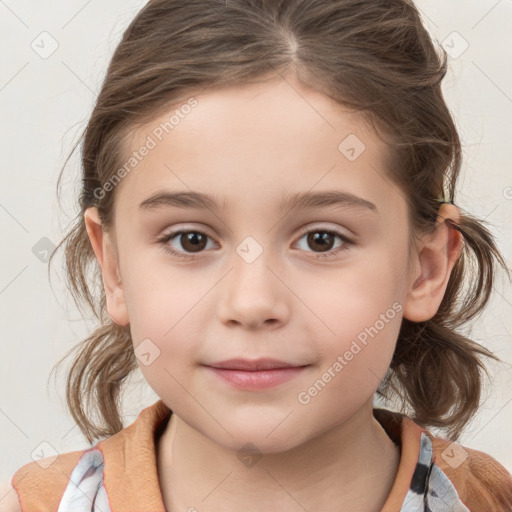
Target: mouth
x,y
253,364
257,374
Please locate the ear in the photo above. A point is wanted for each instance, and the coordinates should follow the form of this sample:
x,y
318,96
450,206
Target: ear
x,y
106,254
434,262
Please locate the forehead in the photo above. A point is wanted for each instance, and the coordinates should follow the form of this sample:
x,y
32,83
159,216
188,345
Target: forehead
x,y
259,141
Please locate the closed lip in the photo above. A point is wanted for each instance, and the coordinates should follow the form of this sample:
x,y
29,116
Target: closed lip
x,y
253,365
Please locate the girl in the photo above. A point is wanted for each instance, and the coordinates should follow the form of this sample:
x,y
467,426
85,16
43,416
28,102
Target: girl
x,y
268,191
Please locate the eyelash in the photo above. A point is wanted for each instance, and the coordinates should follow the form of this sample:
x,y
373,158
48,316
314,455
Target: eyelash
x,y
346,242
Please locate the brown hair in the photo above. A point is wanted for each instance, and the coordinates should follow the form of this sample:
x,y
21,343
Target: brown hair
x,y
375,57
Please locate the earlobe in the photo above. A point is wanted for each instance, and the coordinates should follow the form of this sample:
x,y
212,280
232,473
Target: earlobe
x,y
435,260
106,256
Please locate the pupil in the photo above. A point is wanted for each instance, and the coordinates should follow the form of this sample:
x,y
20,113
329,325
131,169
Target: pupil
x,y
194,240
322,240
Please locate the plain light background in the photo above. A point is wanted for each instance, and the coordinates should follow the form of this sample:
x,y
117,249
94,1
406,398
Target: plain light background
x,y
45,101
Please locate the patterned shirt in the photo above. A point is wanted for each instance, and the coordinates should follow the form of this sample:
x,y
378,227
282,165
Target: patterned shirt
x,y
119,474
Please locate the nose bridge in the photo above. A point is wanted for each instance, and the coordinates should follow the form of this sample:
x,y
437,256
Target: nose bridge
x,y
252,263
253,293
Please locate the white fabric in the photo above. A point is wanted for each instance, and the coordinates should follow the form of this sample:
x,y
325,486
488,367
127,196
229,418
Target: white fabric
x,y
85,491
431,491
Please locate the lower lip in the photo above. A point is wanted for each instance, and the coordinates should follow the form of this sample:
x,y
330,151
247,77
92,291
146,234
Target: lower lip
x,y
257,380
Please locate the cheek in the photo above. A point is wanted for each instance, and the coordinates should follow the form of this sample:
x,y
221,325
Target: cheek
x,y
165,341
363,341
165,330
359,314
354,363
159,298
345,301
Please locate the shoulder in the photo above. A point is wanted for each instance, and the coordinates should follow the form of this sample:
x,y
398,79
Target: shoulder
x,y
39,485
480,480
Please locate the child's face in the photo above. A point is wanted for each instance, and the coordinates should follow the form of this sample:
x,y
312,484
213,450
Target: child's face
x,y
249,147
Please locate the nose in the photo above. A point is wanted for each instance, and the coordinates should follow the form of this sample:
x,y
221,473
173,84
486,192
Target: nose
x,y
254,295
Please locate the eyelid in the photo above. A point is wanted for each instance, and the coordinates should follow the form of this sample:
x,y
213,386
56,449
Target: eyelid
x,y
320,226
324,226
177,228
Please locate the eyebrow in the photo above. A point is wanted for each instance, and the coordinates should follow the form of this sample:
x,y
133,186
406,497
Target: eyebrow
x,y
198,200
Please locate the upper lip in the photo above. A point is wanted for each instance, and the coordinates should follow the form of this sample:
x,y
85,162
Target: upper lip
x,y
252,364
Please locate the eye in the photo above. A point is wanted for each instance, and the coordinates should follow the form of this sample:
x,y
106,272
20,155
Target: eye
x,y
193,241
323,239
196,241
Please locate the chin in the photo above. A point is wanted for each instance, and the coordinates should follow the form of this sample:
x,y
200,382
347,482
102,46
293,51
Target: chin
x,y
264,438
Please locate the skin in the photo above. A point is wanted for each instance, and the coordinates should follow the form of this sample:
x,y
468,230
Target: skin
x,y
252,145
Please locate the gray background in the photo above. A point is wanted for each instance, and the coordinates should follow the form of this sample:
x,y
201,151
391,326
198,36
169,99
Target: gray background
x,y
45,101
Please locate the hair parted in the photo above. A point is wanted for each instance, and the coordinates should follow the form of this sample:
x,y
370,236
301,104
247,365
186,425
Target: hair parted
x,y
374,57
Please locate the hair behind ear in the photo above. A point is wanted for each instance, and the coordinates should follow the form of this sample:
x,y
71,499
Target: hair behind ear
x,y
94,382
476,268
437,372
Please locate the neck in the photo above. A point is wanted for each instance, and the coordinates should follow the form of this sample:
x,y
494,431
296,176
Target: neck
x,y
331,472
